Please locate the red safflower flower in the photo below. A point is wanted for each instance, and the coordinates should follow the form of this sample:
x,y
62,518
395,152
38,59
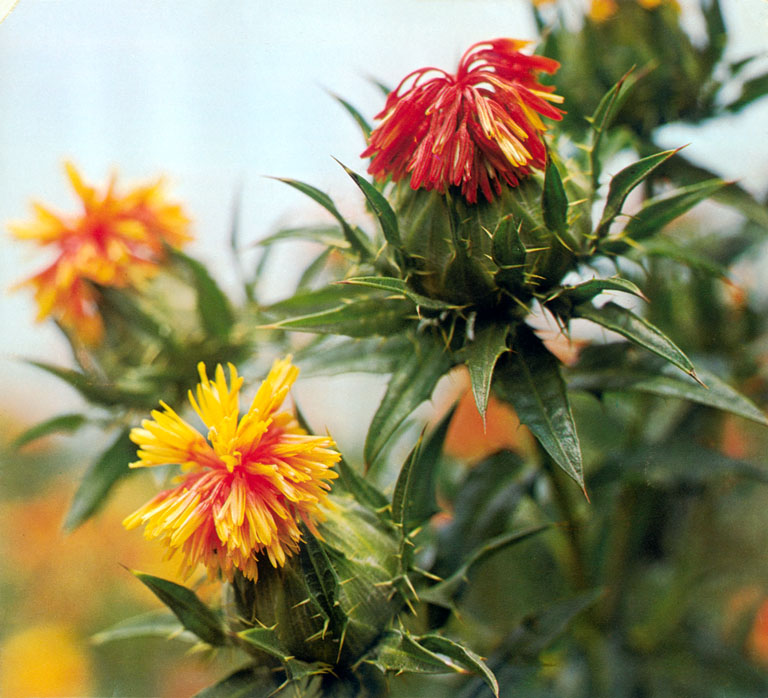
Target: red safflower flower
x,y
474,130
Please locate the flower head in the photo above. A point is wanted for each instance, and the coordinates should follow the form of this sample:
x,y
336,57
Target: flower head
x,y
602,10
116,240
474,130
246,487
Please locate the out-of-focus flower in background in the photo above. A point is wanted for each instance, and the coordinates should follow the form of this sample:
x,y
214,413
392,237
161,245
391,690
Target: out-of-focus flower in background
x,y
475,129
247,487
116,240
44,660
602,10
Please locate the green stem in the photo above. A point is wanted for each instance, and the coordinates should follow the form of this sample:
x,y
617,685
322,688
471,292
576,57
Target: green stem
x,y
572,526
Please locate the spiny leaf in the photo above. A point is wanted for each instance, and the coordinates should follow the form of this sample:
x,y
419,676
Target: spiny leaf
x,y
151,624
194,615
399,652
611,367
529,379
624,182
310,302
659,211
538,631
363,491
322,581
445,592
509,254
99,479
329,235
93,389
265,639
213,306
64,422
580,293
482,353
602,118
333,357
413,500
684,172
384,213
411,384
462,656
360,318
357,240
401,288
638,330
251,682
356,115
554,202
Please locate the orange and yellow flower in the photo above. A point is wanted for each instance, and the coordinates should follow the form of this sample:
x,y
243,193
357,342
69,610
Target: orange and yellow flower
x,y
602,10
116,240
246,487
475,130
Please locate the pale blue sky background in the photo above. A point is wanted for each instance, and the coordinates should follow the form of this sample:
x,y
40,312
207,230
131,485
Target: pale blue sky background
x,y
218,93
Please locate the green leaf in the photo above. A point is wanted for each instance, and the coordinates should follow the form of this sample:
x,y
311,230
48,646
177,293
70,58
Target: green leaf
x,y
530,381
411,384
356,115
752,90
213,307
397,651
667,248
482,353
311,302
540,630
64,422
400,288
554,202
265,640
675,462
684,172
251,682
127,306
659,211
322,581
194,615
94,389
313,270
413,500
363,491
360,318
586,291
606,111
328,235
462,656
380,206
613,368
509,253
638,330
354,236
158,623
99,479
717,34
445,592
624,182
331,357
486,500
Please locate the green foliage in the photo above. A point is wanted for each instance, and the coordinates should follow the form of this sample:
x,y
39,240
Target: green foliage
x,y
99,479
192,613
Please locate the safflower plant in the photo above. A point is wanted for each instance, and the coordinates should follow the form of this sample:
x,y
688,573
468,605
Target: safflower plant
x,y
495,234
